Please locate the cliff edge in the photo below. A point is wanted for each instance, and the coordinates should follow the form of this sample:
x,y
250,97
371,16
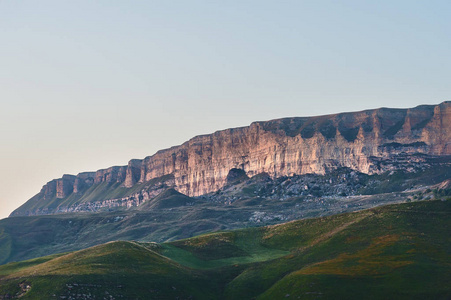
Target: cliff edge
x,y
368,141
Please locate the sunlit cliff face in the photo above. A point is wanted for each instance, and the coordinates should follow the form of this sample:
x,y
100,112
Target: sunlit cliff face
x,y
299,146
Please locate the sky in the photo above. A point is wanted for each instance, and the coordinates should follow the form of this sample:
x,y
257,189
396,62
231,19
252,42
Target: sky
x,y
86,85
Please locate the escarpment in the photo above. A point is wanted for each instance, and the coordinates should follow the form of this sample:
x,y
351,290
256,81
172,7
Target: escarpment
x,y
282,147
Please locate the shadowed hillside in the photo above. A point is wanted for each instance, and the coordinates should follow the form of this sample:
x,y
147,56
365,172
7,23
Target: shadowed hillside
x,y
400,251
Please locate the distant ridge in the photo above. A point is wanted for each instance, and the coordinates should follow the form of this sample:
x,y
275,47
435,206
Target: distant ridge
x,y
367,141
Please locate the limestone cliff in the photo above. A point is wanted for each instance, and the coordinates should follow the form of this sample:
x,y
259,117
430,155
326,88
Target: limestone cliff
x,y
283,147
301,145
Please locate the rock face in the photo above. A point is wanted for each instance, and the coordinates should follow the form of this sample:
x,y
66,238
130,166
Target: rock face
x,y
283,147
302,145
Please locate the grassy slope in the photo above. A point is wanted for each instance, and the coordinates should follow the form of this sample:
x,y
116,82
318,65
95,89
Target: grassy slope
x,y
30,237
397,251
370,254
222,249
120,269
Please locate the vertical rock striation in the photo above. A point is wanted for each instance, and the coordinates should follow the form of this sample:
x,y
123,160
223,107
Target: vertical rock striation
x,y
300,145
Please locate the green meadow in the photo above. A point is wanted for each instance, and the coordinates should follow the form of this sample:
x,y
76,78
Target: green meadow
x,y
400,251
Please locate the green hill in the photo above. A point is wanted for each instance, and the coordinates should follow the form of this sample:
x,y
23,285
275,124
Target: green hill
x,y
113,270
398,251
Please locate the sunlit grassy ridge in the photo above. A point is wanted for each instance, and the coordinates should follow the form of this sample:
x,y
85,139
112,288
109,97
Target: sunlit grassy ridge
x,y
125,269
397,251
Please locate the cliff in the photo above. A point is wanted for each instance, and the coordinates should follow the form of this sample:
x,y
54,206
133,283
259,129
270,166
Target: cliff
x,y
364,141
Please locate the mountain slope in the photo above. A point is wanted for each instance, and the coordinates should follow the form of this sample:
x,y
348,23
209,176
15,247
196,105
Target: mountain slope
x,y
371,141
253,202
377,253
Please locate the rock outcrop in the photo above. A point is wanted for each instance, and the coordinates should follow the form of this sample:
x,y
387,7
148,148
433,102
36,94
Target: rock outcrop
x,y
283,147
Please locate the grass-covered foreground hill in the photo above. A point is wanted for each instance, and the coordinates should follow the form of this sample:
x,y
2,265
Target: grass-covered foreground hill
x,y
400,251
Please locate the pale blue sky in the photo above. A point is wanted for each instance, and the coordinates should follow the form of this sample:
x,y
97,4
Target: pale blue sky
x,y
89,84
